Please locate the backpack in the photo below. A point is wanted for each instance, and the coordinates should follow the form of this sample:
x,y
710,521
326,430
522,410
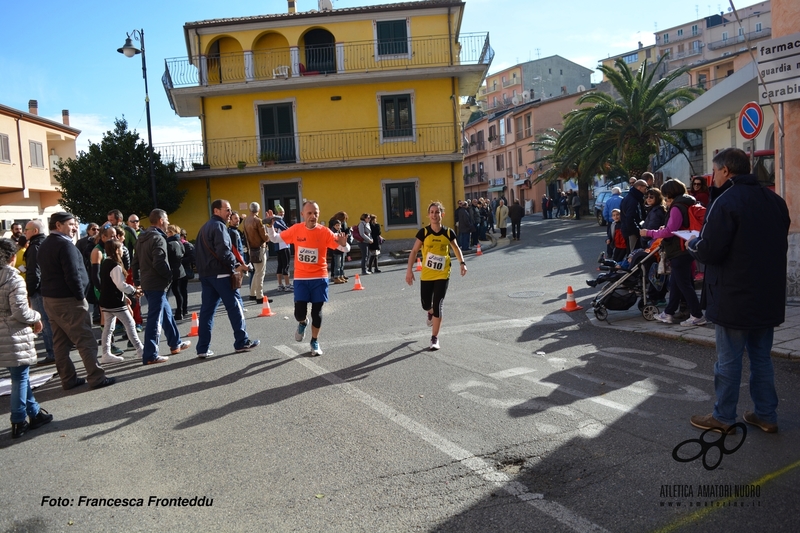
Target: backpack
x,y
697,214
356,233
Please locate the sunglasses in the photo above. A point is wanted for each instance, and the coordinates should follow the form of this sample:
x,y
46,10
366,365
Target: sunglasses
x,y
697,183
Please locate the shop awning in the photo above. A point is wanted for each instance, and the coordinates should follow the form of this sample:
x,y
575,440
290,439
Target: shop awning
x,y
497,189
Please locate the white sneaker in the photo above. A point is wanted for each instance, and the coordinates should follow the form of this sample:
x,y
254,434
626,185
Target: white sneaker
x,y
434,344
694,321
315,349
110,358
205,355
665,318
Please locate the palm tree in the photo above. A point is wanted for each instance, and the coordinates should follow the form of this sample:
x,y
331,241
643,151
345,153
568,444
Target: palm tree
x,y
627,129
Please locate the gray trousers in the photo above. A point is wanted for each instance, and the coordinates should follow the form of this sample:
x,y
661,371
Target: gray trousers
x,y
72,324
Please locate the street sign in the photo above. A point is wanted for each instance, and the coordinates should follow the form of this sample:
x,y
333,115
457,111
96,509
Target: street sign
x,y
751,119
779,69
529,172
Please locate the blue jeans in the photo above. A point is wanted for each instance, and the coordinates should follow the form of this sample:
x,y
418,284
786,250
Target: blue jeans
x,y
158,312
22,401
463,241
338,265
214,290
364,247
728,373
47,332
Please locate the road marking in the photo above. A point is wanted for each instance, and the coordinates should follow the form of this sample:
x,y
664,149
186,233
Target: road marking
x,y
463,456
585,396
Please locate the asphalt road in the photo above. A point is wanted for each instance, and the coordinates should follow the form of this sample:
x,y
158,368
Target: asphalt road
x,y
527,419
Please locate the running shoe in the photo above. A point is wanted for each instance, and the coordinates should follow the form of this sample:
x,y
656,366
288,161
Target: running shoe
x,y
289,288
315,349
694,321
280,288
116,351
434,343
108,358
205,355
665,318
249,345
429,321
300,334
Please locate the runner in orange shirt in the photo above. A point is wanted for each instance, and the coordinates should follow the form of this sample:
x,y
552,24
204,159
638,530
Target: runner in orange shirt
x,y
311,242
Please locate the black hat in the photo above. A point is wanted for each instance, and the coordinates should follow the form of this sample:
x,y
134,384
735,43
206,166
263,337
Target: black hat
x,y
61,216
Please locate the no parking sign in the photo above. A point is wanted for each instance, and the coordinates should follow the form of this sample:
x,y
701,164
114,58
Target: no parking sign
x,y
751,119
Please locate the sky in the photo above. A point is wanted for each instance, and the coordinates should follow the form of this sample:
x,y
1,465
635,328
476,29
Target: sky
x,y
64,54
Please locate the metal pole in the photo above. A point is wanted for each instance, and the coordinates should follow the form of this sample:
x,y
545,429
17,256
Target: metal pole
x,y
149,128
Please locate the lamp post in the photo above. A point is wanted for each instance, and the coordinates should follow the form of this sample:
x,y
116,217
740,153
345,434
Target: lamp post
x,y
129,51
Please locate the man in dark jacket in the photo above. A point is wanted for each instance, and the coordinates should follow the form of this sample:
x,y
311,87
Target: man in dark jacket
x,y
631,214
464,219
34,231
515,214
152,271
743,244
215,265
63,283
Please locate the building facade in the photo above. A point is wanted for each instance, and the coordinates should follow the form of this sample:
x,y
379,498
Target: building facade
x,y
357,109
633,59
30,148
540,79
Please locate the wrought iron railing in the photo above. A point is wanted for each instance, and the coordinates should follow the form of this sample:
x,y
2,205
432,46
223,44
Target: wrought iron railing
x,y
736,39
363,56
310,147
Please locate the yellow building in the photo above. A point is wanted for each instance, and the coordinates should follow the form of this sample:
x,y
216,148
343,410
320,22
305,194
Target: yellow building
x,y
30,147
358,109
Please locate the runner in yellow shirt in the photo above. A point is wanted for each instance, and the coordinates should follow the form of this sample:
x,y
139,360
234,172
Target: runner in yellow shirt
x,y
434,240
311,242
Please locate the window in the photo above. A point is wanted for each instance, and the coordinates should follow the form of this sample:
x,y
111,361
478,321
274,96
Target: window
x,y
631,58
758,26
480,169
680,32
549,71
741,32
519,157
5,151
561,71
647,53
666,38
466,170
276,129
473,167
37,159
695,46
724,36
396,116
680,50
392,36
499,161
694,29
401,203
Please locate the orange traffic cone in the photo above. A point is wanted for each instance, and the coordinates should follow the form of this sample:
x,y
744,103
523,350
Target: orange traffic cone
x,y
265,310
358,286
195,331
479,250
419,265
571,305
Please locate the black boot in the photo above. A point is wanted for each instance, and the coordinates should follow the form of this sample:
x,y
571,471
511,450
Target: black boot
x,y
41,418
18,429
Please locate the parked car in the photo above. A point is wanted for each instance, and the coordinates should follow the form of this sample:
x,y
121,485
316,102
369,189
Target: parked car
x,y
600,204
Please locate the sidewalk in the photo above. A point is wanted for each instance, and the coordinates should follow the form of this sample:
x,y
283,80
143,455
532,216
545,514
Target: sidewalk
x,y
785,345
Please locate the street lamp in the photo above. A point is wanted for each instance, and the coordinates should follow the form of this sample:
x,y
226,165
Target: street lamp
x,y
129,51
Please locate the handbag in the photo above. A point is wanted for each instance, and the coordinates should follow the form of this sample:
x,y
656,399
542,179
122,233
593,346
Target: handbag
x,y
256,255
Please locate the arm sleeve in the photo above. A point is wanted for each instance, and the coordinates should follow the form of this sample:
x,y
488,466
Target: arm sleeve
x,y
275,237
119,280
713,245
674,224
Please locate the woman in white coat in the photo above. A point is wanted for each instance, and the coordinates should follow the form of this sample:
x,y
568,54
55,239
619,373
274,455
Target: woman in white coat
x,y
18,326
502,217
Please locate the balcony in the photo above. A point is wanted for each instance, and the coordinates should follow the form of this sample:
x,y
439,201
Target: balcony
x,y
259,70
509,83
737,39
478,146
312,147
689,53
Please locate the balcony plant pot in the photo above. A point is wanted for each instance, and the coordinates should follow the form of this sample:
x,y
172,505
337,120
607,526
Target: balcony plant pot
x,y
268,158
241,164
200,166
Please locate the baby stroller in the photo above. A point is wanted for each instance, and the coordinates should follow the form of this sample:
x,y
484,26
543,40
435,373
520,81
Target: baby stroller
x,y
624,287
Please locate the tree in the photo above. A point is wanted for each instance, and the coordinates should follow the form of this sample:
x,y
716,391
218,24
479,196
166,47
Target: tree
x,y
629,128
615,137
115,174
